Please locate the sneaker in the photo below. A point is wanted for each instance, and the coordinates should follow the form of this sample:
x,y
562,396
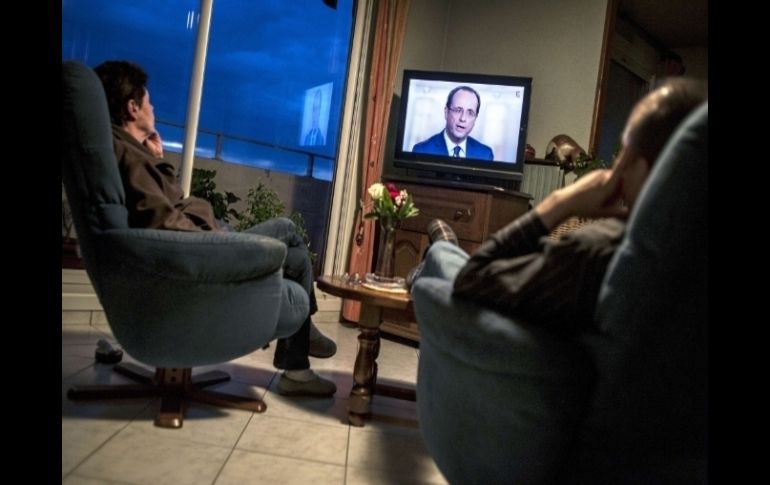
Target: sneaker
x,y
315,387
321,346
440,230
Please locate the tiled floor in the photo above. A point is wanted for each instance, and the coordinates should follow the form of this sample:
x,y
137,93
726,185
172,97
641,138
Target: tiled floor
x,y
297,440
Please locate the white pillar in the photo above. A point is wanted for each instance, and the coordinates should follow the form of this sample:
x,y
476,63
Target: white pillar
x,y
344,201
194,97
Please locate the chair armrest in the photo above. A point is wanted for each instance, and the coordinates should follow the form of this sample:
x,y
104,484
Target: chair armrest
x,y
485,338
484,379
212,257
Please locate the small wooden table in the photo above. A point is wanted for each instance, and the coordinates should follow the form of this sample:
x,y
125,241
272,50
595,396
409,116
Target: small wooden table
x,y
365,370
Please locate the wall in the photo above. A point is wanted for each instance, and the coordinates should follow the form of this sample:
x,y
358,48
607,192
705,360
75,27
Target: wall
x,y
424,40
556,42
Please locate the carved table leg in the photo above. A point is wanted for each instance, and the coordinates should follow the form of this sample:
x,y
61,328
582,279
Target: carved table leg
x,y
365,370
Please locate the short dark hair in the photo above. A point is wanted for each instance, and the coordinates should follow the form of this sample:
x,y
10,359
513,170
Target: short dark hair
x,y
122,81
654,119
463,88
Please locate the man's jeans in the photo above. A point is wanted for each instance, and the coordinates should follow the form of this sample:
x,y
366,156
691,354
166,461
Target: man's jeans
x,y
291,353
443,260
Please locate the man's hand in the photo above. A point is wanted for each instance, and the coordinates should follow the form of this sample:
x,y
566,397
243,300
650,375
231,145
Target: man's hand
x,y
154,144
596,194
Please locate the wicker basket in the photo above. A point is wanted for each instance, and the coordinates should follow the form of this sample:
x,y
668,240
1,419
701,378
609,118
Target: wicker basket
x,y
568,226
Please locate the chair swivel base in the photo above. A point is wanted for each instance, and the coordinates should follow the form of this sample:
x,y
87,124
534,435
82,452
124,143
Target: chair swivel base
x,y
174,387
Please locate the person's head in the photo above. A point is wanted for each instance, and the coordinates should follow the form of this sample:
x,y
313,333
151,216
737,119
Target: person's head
x,y
125,85
462,108
650,124
316,107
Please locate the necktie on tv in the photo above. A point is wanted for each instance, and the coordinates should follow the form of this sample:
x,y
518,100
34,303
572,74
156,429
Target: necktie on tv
x,y
456,153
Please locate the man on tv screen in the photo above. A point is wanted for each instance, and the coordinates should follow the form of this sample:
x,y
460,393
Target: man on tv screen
x,y
461,110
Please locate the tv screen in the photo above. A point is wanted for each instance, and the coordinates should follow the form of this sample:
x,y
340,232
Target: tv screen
x,y
463,127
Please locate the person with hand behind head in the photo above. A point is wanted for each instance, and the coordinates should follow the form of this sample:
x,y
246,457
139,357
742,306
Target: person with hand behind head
x,y
521,273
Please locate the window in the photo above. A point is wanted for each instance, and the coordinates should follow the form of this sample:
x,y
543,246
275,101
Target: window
x,y
264,61
274,80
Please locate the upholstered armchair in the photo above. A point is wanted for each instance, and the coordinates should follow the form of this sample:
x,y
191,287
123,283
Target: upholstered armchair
x,y
502,401
173,300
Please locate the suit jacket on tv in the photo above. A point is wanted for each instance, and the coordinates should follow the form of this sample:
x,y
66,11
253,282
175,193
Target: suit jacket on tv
x,y
435,145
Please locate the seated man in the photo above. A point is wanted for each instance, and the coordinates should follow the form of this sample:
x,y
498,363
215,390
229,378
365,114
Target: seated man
x,y
154,198
520,273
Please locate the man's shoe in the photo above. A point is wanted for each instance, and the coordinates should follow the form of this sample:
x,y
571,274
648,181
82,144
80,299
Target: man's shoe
x,y
315,387
440,230
413,274
321,346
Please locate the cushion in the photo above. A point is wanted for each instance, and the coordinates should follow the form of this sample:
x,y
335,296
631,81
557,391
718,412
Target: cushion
x,y
497,401
649,413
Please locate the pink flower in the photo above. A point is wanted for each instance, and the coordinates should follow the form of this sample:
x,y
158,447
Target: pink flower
x,y
389,204
392,190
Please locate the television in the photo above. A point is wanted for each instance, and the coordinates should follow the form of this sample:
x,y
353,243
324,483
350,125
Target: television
x,y
491,134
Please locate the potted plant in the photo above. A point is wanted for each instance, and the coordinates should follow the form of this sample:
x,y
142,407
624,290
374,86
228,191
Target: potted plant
x,y
203,186
263,203
586,163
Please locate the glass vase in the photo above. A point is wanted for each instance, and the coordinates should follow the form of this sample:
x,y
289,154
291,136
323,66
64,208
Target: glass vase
x,y
385,265
386,255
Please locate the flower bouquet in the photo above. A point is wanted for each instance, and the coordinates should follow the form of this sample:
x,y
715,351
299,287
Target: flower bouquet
x,y
389,206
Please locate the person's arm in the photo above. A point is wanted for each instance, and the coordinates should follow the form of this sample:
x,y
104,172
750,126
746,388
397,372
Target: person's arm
x,y
146,187
154,144
519,238
597,194
150,186
553,284
594,195
555,287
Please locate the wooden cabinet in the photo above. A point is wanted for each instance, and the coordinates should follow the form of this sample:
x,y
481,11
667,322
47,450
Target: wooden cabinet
x,y
473,214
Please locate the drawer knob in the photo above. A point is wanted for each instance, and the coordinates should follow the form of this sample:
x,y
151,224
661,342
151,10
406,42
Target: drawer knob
x,y
462,214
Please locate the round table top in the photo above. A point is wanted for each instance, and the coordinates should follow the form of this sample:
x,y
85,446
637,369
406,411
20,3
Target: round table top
x,y
342,287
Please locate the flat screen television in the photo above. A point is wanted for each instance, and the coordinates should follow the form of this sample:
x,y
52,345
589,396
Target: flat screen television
x,y
491,133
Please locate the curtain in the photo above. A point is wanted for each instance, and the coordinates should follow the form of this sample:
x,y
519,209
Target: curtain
x,y
390,25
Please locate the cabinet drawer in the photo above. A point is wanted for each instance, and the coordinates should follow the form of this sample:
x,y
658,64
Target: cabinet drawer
x,y
464,211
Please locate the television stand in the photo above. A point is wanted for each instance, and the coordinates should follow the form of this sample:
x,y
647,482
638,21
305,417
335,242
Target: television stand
x,y
473,211
466,181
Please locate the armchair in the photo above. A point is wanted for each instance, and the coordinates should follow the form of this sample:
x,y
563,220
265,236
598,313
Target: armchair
x,y
173,300
501,401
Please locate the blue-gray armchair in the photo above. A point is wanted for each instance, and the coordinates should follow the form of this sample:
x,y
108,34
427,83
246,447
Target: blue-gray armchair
x,y
173,300
501,401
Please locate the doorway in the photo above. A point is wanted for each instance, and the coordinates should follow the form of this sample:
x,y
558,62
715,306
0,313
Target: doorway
x,y
624,89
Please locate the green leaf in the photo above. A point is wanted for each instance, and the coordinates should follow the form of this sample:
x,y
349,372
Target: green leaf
x,y
585,164
204,187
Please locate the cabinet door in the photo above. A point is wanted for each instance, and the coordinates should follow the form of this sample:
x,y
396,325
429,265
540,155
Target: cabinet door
x,y
465,211
410,247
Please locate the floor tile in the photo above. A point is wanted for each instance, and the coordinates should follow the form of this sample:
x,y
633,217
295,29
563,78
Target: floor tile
x,y
86,426
140,457
296,440
81,480
328,411
290,438
75,317
394,453
202,423
401,476
248,467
